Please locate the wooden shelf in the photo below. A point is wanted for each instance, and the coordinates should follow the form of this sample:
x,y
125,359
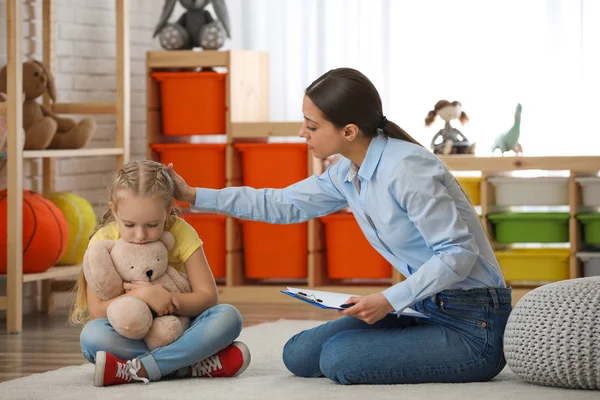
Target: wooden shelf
x,y
72,153
187,59
264,129
500,164
84,108
57,272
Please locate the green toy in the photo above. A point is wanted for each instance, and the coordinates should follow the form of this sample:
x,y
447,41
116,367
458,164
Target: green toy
x,y
509,140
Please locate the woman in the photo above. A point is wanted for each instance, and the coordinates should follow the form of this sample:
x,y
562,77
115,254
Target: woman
x,y
413,212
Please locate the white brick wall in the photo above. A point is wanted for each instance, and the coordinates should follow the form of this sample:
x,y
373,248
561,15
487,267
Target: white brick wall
x,y
85,71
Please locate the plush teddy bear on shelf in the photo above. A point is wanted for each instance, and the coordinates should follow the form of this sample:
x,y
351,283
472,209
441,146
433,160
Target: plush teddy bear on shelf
x,y
107,264
43,128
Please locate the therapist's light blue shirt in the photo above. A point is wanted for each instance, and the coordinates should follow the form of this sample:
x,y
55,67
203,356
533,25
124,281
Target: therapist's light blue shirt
x,y
407,203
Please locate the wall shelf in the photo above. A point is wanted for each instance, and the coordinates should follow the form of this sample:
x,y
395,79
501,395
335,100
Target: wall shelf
x,y
15,277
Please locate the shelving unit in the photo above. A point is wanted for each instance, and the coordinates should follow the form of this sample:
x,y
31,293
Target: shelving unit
x,y
494,166
121,109
247,111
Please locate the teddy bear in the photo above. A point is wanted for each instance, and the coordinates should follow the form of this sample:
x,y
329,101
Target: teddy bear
x,y
43,128
107,264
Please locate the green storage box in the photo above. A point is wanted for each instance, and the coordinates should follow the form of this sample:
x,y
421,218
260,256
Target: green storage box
x,y
531,227
591,228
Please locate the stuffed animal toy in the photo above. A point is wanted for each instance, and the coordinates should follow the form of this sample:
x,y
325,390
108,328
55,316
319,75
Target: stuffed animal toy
x,y
43,128
509,140
195,28
107,264
452,140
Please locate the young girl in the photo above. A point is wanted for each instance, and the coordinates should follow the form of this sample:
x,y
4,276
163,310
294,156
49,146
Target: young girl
x,y
141,204
413,212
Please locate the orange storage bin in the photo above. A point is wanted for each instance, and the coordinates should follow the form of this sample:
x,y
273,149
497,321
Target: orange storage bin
x,y
349,253
193,103
273,165
211,229
201,165
274,251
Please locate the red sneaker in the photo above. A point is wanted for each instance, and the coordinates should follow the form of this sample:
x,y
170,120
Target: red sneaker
x,y
231,361
113,371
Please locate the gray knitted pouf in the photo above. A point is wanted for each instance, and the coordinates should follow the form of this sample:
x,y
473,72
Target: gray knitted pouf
x,y
552,336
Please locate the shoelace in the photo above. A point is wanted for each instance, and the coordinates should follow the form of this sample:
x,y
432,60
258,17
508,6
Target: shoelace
x,y
129,370
207,365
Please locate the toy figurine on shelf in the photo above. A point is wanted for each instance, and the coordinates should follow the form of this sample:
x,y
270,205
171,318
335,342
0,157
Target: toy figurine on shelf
x,y
195,28
449,140
509,140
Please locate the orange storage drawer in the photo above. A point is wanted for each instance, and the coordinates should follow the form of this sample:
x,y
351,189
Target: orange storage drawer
x,y
349,253
201,165
193,103
274,251
211,230
273,165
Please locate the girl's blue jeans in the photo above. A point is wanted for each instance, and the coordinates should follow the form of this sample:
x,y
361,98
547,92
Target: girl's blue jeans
x,y
461,342
210,332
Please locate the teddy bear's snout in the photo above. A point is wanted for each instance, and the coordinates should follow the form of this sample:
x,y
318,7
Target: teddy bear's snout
x,y
149,273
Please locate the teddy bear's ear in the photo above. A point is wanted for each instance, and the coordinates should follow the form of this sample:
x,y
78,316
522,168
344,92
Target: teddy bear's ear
x,y
99,270
3,79
168,239
50,85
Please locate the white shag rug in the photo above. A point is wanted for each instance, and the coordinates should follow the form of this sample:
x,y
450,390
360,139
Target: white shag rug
x,y
267,378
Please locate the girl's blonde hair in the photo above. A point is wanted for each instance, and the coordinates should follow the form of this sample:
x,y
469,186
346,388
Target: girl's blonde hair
x,y
143,178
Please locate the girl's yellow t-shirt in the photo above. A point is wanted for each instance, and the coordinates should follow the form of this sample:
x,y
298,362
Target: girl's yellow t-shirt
x,y
186,240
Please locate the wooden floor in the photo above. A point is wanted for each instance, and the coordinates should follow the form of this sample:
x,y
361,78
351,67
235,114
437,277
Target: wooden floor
x,y
48,342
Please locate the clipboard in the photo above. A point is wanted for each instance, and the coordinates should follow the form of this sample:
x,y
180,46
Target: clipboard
x,y
334,300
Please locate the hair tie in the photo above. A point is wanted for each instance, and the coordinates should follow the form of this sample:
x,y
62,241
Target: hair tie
x,y
382,122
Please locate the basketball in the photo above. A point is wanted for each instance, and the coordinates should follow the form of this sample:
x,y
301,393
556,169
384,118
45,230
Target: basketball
x,y
45,232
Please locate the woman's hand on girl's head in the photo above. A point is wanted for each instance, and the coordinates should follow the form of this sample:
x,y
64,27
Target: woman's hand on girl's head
x,y
183,192
369,309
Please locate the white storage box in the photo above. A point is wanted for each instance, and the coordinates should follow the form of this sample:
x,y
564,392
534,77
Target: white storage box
x,y
543,191
591,263
590,186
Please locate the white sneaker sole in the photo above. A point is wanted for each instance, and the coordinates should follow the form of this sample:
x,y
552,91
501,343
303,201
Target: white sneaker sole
x,y
246,356
99,371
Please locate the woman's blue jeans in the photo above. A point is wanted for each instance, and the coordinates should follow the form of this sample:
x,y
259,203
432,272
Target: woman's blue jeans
x,y
461,342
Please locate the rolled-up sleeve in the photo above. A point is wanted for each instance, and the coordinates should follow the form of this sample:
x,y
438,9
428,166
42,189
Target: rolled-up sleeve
x,y
312,197
421,191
